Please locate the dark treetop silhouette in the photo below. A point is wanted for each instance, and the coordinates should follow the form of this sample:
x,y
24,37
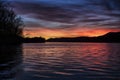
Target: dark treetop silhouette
x,y
34,40
10,24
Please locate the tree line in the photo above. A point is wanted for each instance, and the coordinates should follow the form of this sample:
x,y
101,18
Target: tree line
x,y
10,23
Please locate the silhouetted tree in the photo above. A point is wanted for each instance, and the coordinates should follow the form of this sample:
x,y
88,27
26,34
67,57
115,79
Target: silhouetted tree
x,y
10,23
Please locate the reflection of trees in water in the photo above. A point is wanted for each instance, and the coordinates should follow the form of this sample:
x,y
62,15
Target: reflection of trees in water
x,y
10,61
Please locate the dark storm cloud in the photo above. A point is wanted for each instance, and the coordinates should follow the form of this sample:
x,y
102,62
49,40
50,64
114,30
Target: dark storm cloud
x,y
46,12
63,13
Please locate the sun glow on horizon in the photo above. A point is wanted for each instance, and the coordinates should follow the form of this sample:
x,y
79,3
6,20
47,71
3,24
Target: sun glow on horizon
x,y
57,33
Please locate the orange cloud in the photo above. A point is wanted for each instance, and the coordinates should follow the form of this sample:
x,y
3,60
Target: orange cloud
x,y
52,33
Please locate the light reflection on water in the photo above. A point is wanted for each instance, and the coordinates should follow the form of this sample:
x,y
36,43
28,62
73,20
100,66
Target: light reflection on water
x,y
64,61
68,61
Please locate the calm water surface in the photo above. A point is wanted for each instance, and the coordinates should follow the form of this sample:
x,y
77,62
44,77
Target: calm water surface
x,y
60,61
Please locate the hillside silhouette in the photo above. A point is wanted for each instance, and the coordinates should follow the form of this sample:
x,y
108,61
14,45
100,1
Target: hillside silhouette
x,y
109,37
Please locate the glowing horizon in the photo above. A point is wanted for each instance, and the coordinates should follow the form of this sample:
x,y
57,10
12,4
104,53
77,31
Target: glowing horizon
x,y
68,18
49,33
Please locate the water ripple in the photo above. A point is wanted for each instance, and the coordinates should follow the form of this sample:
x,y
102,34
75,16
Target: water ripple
x,y
62,61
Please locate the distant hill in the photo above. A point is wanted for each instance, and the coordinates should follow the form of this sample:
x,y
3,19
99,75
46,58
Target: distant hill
x,y
109,37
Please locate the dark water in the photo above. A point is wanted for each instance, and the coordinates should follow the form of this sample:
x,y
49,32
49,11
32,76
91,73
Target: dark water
x,y
60,61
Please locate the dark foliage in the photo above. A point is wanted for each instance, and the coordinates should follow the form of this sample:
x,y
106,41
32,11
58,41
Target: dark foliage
x,y
34,40
10,24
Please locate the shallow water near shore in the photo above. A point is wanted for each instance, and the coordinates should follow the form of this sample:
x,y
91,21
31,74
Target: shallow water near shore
x,y
60,61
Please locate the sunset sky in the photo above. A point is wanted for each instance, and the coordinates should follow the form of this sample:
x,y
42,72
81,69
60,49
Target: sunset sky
x,y
68,18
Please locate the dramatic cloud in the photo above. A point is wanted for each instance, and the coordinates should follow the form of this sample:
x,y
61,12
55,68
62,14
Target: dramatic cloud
x,y
64,14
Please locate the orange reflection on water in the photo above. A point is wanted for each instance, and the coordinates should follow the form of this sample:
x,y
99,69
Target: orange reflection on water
x,y
93,53
91,60
87,54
